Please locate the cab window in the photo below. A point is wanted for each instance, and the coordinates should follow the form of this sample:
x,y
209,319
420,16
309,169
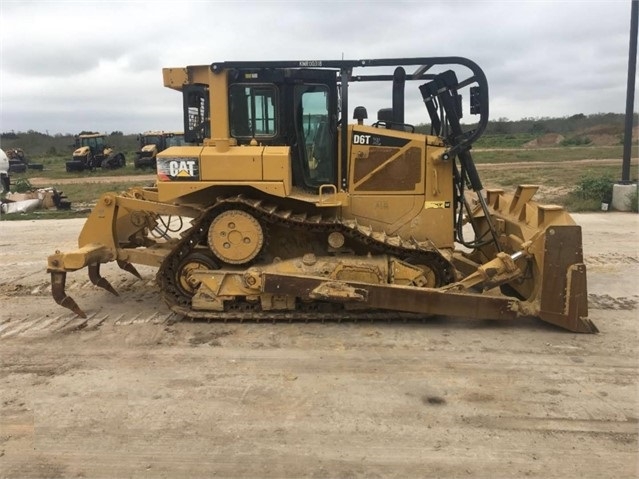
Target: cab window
x,y
253,112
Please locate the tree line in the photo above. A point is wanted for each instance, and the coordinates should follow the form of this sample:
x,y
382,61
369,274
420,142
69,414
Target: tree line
x,y
39,144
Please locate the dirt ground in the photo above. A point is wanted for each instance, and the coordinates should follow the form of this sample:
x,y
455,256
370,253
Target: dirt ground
x,y
131,393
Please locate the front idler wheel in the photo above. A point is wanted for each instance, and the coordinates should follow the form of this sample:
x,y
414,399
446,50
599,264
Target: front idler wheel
x,y
436,270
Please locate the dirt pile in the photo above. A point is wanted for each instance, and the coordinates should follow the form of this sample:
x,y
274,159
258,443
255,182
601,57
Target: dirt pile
x,y
599,135
550,139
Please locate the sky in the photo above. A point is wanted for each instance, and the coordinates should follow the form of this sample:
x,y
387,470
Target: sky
x,y
68,66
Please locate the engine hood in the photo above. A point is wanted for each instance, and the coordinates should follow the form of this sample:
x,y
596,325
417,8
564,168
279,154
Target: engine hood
x,y
82,151
149,148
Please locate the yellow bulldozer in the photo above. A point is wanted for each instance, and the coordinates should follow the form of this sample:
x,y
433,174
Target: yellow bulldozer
x,y
298,214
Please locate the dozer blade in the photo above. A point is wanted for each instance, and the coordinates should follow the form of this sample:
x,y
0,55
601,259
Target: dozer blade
x,y
564,294
553,285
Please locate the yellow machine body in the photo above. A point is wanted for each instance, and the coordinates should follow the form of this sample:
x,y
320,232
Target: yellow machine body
x,y
297,214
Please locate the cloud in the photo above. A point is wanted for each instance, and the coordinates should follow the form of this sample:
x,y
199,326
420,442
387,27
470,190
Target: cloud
x,y
66,64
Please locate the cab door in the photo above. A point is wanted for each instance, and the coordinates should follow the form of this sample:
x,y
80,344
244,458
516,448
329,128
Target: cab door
x,y
311,97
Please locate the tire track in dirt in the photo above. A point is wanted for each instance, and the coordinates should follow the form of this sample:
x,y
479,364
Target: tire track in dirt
x,y
69,322
145,291
605,301
611,261
117,314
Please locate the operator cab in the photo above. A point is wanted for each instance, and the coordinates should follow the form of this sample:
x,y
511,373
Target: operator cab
x,y
277,107
289,107
95,143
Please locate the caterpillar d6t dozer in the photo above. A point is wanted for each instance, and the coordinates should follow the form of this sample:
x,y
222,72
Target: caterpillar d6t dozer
x,y
296,214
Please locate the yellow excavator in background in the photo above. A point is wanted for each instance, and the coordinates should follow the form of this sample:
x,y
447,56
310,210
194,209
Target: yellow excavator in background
x,y
296,214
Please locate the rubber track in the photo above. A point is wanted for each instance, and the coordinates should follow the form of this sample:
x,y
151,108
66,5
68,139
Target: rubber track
x,y
376,242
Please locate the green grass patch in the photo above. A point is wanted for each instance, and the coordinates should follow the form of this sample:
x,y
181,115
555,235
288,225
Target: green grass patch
x,y
580,205
89,193
634,200
580,190
504,140
56,168
47,215
552,154
590,192
83,197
